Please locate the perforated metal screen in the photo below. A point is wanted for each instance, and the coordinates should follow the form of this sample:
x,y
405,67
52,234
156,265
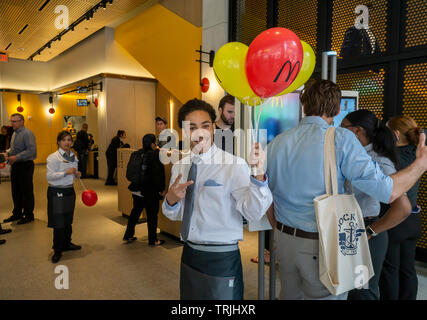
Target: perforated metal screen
x,y
301,18
414,102
349,40
415,23
369,84
251,19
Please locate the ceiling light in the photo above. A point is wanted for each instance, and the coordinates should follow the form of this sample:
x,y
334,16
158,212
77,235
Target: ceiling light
x,y
104,4
48,45
110,1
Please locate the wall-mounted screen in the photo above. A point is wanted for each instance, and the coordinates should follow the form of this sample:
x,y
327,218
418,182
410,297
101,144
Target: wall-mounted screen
x,y
280,114
348,104
82,102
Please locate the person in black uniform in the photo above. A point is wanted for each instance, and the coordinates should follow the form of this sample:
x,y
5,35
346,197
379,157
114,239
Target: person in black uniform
x,y
61,198
398,279
146,193
111,155
81,146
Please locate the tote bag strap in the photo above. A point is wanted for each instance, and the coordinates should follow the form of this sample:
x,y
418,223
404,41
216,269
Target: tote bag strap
x,y
330,163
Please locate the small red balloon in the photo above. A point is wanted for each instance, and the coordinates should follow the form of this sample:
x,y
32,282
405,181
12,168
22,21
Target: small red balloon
x,y
20,109
205,85
96,102
52,110
273,61
89,197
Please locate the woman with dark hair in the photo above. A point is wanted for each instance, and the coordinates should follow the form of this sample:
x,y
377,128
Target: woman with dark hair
x,y
4,139
61,198
398,279
147,176
111,155
379,143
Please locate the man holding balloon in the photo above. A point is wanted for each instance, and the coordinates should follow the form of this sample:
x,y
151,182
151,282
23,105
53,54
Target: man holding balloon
x,y
210,191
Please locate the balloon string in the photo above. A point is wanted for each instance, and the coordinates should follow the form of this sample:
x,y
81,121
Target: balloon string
x,y
81,182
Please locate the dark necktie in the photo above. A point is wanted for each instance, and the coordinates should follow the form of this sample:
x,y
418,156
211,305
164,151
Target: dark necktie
x,y
189,202
67,157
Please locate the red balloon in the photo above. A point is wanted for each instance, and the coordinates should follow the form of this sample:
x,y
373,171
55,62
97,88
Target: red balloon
x,y
51,110
273,61
89,197
20,109
2,165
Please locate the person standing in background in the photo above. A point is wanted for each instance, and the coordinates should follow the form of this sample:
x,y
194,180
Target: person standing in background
x,y
161,124
81,146
4,139
147,185
23,151
225,124
111,155
61,198
379,143
398,279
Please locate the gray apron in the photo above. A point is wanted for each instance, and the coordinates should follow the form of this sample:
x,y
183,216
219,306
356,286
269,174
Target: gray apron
x,y
60,206
211,275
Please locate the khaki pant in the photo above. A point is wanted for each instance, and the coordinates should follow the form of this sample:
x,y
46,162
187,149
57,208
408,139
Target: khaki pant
x,y
299,269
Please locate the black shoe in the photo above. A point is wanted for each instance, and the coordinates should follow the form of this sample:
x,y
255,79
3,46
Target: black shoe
x,y
56,256
25,220
158,243
129,239
4,231
12,218
2,242
72,247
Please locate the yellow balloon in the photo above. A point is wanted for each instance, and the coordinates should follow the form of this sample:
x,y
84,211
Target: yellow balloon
x,y
252,101
229,70
307,68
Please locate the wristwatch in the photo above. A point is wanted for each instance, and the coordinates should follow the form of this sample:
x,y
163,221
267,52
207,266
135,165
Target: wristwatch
x,y
371,232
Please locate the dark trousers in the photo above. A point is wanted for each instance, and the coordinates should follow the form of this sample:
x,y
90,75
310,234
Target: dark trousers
x,y
378,248
62,238
151,205
112,165
399,278
82,156
21,177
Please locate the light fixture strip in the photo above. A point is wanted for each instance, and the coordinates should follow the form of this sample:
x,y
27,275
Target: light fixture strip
x,y
88,13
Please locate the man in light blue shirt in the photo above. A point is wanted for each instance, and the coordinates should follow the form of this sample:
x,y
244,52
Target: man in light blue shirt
x,y
296,177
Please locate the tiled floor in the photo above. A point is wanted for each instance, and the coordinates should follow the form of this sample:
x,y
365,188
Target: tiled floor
x,y
105,268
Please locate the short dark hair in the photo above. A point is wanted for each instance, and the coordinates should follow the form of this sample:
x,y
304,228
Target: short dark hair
x,y
226,99
147,141
62,135
321,97
195,105
120,132
18,115
161,119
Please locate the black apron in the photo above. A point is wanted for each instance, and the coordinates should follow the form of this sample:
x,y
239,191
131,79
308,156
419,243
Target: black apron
x,y
211,275
60,206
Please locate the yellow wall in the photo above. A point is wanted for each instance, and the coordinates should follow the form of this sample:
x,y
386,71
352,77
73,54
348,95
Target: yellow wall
x,y
165,44
44,126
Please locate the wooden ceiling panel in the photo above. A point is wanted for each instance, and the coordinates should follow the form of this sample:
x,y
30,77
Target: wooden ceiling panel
x,y
15,14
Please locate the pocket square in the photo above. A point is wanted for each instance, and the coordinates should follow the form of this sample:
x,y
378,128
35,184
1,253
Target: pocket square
x,y
211,183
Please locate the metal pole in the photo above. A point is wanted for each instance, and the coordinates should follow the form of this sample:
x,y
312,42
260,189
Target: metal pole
x,y
324,65
334,69
261,247
272,266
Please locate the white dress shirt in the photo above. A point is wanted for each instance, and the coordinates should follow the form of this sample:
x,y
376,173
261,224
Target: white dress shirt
x,y
224,191
56,167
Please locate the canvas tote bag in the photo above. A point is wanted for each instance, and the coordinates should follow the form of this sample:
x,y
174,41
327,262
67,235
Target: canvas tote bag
x,y
344,256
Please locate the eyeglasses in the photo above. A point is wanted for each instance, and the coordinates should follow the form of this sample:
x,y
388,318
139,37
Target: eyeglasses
x,y
14,121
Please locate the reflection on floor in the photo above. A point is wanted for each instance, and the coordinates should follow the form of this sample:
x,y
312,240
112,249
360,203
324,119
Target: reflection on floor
x,y
105,268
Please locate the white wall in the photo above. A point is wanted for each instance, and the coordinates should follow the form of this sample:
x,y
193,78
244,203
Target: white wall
x,y
25,75
215,35
99,53
130,106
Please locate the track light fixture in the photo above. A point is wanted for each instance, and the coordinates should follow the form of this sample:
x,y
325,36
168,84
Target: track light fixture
x,y
110,1
104,4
